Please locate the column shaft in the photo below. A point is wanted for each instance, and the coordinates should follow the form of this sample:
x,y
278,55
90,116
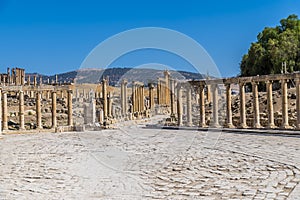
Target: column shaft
x,y
179,106
189,106
256,105
54,122
4,111
229,123
21,110
38,111
270,105
243,123
202,106
70,108
285,117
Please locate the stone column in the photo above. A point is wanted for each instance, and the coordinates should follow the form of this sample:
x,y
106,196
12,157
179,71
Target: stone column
x,y
179,105
0,110
4,111
215,106
270,105
109,112
134,99
167,87
38,111
255,105
70,108
28,80
243,123
104,95
208,93
21,110
298,101
34,80
285,116
54,122
229,123
124,97
158,92
202,106
189,106
142,98
172,91
41,80
151,95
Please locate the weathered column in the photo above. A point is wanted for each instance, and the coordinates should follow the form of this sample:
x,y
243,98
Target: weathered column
x,y
41,80
285,116
38,111
215,106
104,95
54,122
167,87
28,80
189,106
34,80
158,92
70,108
172,91
142,98
4,111
298,101
243,123
133,98
202,106
270,105
151,95
255,105
229,123
208,96
21,110
124,97
179,106
109,112
0,110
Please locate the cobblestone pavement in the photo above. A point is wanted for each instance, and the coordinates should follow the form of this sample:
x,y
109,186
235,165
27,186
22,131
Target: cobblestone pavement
x,y
131,162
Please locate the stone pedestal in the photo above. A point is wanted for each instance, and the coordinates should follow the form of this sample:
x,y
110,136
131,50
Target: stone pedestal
x,y
90,112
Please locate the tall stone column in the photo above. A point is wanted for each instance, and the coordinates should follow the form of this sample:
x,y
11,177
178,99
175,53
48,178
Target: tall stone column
x,y
41,80
104,95
285,117
202,106
215,106
270,105
0,110
124,97
133,98
70,108
229,123
298,101
151,95
179,106
109,112
4,111
142,98
167,87
208,96
34,80
54,121
172,91
256,105
28,80
38,110
21,110
243,123
189,106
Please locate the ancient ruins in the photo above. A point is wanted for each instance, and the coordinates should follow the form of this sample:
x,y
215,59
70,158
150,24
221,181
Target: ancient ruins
x,y
193,103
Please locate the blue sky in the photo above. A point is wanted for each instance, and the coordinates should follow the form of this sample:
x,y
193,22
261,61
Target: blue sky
x,y
55,36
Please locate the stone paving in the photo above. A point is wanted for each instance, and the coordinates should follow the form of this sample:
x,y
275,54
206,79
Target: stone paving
x,y
131,162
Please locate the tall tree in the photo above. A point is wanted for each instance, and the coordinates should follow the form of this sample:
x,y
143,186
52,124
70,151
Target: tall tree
x,y
274,46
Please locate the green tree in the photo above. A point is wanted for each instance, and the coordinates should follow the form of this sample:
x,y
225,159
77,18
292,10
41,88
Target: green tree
x,y
273,47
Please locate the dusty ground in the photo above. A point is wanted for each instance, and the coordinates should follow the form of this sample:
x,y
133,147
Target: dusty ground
x,y
136,163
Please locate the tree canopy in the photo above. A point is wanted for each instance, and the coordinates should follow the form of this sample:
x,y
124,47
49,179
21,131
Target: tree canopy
x,y
274,46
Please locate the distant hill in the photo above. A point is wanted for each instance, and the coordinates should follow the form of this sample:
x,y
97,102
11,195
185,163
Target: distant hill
x,y
117,74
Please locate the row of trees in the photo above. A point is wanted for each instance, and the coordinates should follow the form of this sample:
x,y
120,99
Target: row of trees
x,y
274,47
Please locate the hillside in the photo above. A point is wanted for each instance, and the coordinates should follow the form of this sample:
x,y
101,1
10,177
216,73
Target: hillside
x,y
117,74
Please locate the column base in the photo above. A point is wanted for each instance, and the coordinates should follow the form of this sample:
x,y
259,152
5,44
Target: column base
x,y
203,126
271,126
216,126
257,126
229,126
243,126
189,124
286,126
